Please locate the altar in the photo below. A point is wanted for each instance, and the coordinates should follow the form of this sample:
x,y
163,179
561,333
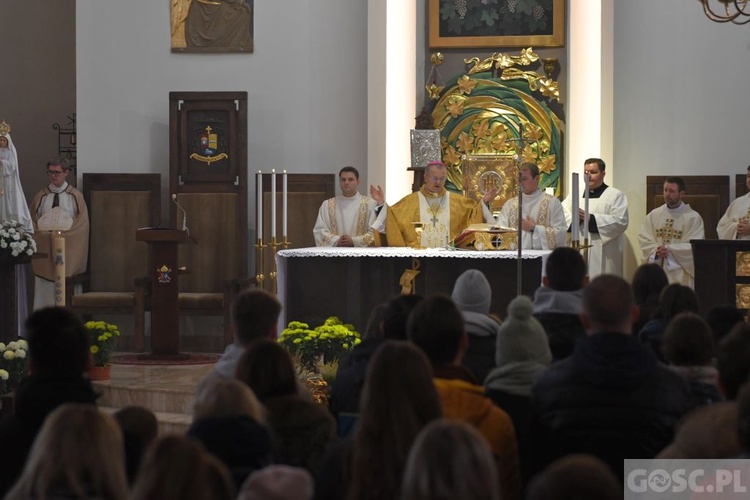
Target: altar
x,y
315,283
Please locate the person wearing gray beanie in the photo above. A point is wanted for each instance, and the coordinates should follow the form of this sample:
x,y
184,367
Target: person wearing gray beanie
x,y
472,295
522,355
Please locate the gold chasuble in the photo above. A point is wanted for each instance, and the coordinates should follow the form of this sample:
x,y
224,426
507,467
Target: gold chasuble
x,y
444,215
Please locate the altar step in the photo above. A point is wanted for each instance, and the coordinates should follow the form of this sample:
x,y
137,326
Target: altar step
x,y
165,390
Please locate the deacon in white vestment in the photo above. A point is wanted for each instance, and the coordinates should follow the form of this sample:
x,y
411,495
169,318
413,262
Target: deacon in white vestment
x,y
443,215
12,201
350,220
608,220
735,224
666,233
58,207
543,220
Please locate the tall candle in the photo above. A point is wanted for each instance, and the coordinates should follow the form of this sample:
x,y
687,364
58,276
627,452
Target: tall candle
x,y
259,214
574,197
59,263
273,204
283,206
586,180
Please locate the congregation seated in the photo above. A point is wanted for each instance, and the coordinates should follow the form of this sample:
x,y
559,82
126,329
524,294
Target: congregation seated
x,y
399,399
450,459
522,355
689,350
472,295
674,299
611,398
648,282
557,303
301,431
579,476
255,315
139,429
722,319
350,378
228,421
58,362
78,453
178,468
437,328
711,430
278,482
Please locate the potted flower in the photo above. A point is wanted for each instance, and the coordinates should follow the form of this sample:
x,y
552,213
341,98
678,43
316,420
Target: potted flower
x,y
15,243
12,364
103,337
323,344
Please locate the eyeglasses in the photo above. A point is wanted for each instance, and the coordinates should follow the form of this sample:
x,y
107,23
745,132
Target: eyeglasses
x,y
436,179
55,173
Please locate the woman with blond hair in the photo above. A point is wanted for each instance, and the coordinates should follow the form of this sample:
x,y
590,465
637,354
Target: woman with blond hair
x,y
229,421
78,454
450,459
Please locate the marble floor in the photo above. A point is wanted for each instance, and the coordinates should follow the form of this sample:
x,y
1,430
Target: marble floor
x,y
166,390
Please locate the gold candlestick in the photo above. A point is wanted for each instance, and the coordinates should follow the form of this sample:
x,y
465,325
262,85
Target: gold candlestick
x,y
259,276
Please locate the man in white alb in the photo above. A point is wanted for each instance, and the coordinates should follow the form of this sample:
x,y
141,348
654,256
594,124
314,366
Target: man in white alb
x,y
666,233
608,220
351,219
735,224
543,221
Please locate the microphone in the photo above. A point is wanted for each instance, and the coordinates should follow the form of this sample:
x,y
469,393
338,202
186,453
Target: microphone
x,y
184,213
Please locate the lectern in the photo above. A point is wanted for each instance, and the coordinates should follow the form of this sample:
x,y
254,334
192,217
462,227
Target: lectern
x,y
165,319
722,273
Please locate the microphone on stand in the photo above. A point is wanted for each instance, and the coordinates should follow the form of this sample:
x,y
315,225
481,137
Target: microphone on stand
x,y
184,213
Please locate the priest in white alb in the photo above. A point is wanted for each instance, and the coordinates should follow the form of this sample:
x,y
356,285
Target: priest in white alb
x,y
666,233
442,214
735,224
543,220
351,219
608,220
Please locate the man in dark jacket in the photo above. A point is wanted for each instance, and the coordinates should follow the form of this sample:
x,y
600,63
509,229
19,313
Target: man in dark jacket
x,y
557,304
611,397
58,363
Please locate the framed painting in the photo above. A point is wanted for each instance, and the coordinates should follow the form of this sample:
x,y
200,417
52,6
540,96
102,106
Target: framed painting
x,y
496,23
212,26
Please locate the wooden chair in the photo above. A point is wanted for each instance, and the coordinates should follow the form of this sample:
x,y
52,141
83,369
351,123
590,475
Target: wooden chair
x,y
706,194
208,173
116,281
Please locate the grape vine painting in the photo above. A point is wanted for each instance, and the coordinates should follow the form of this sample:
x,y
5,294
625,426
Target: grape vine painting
x,y
496,23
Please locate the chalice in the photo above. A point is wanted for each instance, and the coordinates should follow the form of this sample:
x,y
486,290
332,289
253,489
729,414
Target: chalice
x,y
418,228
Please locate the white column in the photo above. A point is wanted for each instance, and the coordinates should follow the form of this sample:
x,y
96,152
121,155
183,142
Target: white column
x,y
591,84
391,108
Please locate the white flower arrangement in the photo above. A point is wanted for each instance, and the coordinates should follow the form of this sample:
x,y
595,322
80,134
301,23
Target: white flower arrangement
x,y
14,241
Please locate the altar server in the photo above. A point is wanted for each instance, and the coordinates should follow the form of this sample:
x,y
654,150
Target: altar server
x,y
608,220
351,219
543,223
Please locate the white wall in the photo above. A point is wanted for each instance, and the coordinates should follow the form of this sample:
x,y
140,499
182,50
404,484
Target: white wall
x,y
679,106
306,84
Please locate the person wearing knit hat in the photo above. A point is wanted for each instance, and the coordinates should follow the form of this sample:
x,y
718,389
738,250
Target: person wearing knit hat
x,y
278,482
522,355
472,295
